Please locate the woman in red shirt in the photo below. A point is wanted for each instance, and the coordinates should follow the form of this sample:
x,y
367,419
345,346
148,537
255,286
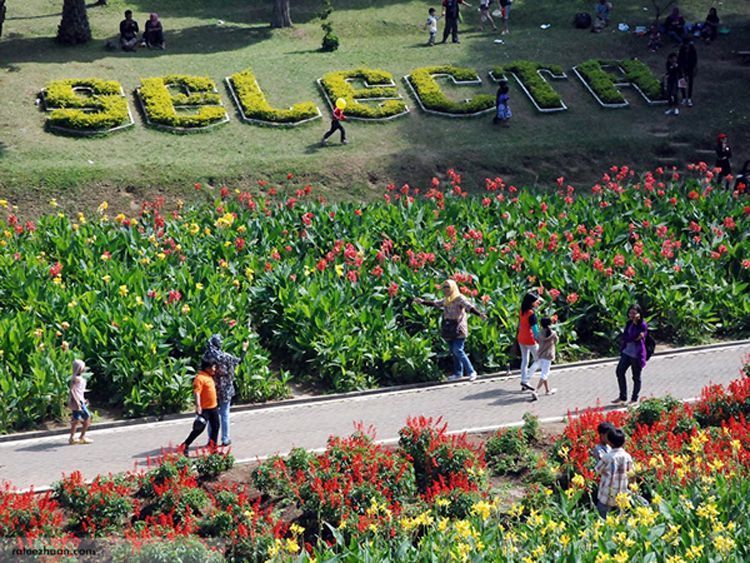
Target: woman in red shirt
x,y
528,330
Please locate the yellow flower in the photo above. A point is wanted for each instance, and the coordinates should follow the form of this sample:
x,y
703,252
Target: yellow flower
x,y
249,274
716,464
564,540
481,509
198,286
708,510
602,557
443,524
38,333
249,514
64,346
161,256
57,280
538,552
578,481
138,300
124,290
291,545
120,218
296,529
622,500
193,228
4,203
148,326
674,559
515,510
65,325
442,502
106,278
340,270
241,229
207,232
72,304
656,499
462,551
723,544
53,202
103,206
694,552
225,221
185,309
145,260
463,528
736,445
621,557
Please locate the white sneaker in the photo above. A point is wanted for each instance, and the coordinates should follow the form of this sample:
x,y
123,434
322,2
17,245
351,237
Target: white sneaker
x,y
669,111
689,103
551,391
454,377
676,111
473,376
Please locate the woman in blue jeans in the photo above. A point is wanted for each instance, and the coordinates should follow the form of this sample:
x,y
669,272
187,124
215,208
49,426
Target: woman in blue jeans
x,y
632,354
455,326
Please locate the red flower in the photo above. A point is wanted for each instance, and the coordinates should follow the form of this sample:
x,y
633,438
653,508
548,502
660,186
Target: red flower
x,y
572,298
693,195
55,270
392,289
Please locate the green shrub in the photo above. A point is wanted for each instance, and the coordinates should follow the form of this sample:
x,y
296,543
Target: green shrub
x,y
637,72
528,73
255,106
600,81
213,464
159,104
433,98
650,411
508,452
531,429
336,86
105,109
183,549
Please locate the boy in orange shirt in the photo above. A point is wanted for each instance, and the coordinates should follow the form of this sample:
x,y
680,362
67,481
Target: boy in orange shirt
x,y
206,406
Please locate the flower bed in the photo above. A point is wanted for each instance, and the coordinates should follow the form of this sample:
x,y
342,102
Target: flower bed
x,y
379,87
432,99
528,74
328,287
104,110
426,499
160,106
255,108
603,86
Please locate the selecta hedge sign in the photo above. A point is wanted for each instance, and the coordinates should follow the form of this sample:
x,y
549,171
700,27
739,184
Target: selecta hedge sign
x,y
181,103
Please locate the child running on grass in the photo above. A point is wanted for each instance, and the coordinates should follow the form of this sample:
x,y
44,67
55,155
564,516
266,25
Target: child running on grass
x,y
544,357
613,469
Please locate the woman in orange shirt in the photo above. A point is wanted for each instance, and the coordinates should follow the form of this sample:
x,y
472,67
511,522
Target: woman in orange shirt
x,y
528,331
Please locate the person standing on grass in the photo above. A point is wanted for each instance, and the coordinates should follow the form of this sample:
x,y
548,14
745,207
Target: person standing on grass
x,y
723,156
455,326
431,25
484,15
613,469
78,404
338,117
502,105
544,358
528,334
632,354
505,14
451,15
206,406
672,77
224,380
687,59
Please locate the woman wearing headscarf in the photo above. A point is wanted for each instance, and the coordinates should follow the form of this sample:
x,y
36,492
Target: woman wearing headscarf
x,y
78,404
455,326
224,377
153,34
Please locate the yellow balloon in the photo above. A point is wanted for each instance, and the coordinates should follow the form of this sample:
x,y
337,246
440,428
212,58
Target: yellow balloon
x,y
341,103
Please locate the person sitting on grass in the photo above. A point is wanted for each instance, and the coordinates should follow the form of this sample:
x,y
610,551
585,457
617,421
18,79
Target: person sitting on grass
x,y
153,34
674,25
710,29
78,404
603,8
613,468
128,32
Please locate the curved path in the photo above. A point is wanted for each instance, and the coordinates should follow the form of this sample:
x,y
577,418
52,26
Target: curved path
x,y
485,404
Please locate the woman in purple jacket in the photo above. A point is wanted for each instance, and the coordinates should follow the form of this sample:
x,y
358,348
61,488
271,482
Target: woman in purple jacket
x,y
632,354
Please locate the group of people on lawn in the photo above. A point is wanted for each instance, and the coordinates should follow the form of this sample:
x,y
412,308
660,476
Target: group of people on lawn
x,y
153,33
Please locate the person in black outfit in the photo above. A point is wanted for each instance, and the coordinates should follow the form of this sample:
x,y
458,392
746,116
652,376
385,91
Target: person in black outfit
x,y
672,76
710,30
687,59
723,154
128,32
153,34
451,15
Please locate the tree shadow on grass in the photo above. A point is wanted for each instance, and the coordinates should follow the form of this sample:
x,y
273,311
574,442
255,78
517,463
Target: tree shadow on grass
x,y
3,149
192,40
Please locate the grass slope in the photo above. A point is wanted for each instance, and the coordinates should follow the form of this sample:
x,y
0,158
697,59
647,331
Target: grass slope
x,y
35,164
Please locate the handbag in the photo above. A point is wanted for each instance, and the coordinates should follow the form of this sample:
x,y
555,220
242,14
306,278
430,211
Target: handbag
x,y
682,83
449,329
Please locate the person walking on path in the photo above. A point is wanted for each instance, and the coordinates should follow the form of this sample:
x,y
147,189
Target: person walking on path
x,y
505,14
723,156
451,15
687,59
455,326
224,380
528,332
78,404
672,77
206,406
613,469
544,358
338,117
632,354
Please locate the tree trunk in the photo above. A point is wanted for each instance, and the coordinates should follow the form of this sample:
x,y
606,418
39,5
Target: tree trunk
x,y
2,16
74,27
281,15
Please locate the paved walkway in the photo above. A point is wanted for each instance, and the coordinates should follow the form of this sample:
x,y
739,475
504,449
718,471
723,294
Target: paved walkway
x,y
485,404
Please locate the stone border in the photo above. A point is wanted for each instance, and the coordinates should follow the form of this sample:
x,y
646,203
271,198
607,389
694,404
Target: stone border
x,y
648,100
85,132
367,85
246,119
476,82
528,94
179,130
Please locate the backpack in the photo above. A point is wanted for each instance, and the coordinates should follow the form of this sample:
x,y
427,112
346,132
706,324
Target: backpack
x,y
451,9
582,20
650,345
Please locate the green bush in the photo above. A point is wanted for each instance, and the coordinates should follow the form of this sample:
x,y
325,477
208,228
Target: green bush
x,y
213,464
159,104
637,72
600,81
183,549
105,109
508,452
255,106
528,73
433,98
336,86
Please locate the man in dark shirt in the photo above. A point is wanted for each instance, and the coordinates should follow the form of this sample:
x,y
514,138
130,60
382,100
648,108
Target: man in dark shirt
x,y
128,32
450,13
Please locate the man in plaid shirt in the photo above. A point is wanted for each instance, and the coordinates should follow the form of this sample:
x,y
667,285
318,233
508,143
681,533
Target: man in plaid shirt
x,y
613,468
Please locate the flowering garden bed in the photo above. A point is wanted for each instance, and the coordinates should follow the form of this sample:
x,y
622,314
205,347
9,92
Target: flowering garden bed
x,y
325,289
429,497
